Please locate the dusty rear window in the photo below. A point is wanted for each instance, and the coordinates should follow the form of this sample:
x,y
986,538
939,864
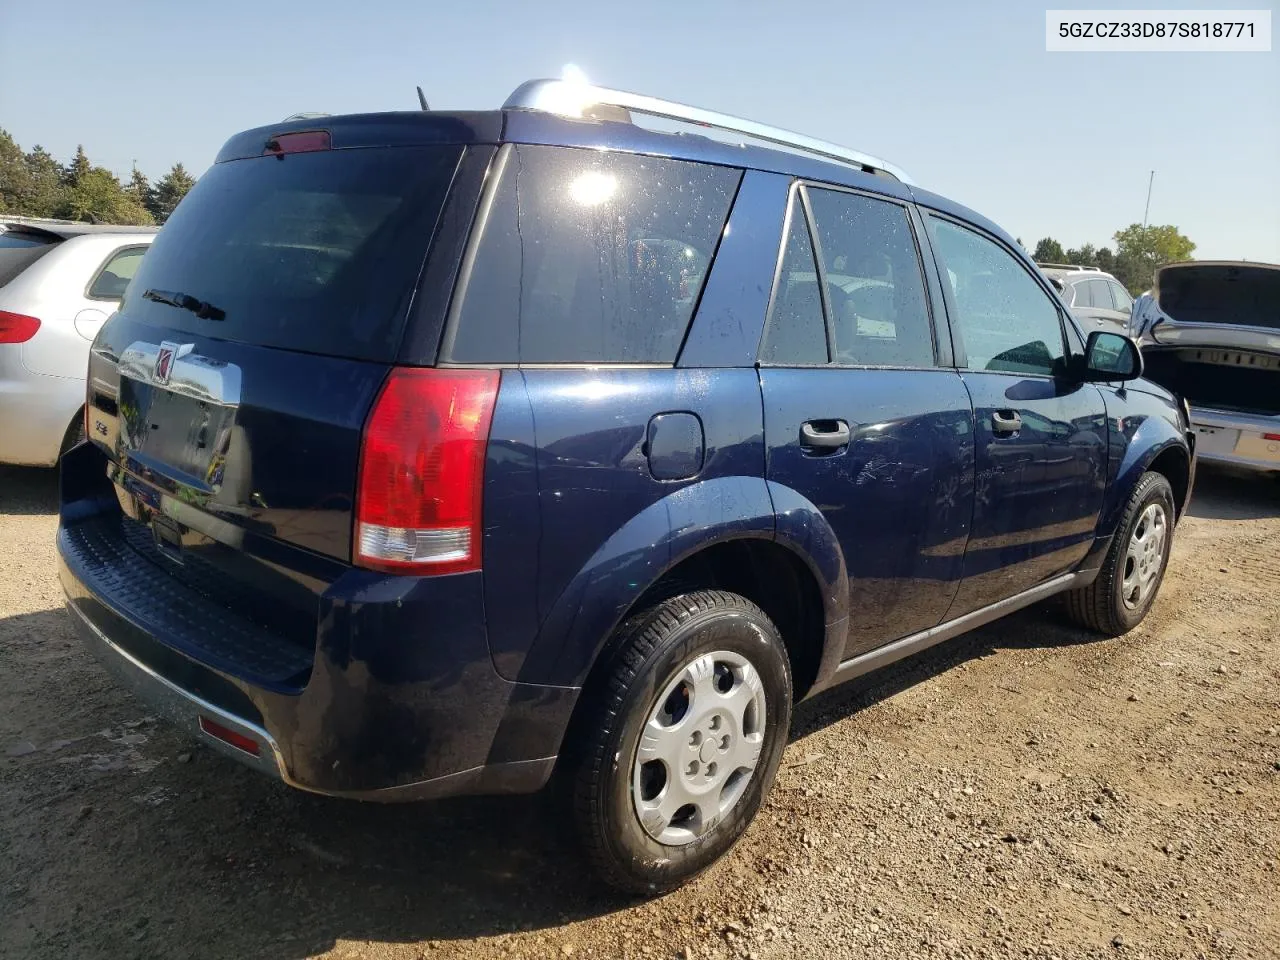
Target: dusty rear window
x,y
317,252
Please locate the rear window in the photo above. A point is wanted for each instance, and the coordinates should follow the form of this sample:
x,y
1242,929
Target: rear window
x,y
590,257
317,252
19,249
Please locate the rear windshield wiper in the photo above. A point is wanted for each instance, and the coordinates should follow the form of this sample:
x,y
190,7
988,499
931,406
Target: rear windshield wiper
x,y
184,301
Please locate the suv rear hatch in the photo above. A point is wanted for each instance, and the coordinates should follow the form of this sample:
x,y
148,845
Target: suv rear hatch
x,y
1212,334
230,391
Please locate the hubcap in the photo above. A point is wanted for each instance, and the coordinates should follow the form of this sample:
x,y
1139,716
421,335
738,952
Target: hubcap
x,y
699,748
1144,559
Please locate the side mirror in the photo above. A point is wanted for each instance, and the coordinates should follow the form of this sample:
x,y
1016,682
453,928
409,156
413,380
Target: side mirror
x,y
1109,357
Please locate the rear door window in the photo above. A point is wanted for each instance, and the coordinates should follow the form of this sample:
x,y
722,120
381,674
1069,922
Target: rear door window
x,y
1120,296
317,252
589,257
874,285
113,279
1100,295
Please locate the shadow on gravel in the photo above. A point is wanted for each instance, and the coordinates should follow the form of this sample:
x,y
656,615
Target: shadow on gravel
x,y
125,839
199,857
1222,493
1041,626
28,490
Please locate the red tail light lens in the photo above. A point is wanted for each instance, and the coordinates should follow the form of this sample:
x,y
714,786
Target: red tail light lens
x,y
17,327
422,471
304,141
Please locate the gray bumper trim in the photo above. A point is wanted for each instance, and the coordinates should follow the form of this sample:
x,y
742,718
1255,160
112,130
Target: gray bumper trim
x,y
180,706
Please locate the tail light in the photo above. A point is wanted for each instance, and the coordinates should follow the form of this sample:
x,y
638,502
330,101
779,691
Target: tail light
x,y
17,327
422,471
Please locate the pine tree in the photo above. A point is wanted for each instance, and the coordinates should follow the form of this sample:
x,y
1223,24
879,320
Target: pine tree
x,y
78,167
169,191
15,182
46,176
139,189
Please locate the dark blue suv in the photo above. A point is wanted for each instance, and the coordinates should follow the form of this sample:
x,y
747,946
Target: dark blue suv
x,y
438,453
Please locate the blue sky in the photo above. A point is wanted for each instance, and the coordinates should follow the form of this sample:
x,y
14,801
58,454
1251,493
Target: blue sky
x,y
965,98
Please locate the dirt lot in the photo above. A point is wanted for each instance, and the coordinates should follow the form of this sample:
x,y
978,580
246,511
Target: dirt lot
x,y
1021,791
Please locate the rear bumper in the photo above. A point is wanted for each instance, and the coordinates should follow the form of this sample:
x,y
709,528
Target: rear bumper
x,y
1238,439
401,701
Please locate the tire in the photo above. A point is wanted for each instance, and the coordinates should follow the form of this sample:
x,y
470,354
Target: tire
x,y
1109,605
686,663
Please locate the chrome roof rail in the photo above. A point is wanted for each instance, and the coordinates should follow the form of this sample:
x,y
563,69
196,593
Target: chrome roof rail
x,y
573,99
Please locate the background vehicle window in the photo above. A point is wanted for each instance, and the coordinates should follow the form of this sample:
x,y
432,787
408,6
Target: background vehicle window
x,y
1100,295
111,281
1120,296
875,290
1083,294
796,333
1006,320
590,256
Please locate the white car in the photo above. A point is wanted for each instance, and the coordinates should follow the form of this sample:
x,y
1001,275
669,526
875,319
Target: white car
x,y
1210,332
58,284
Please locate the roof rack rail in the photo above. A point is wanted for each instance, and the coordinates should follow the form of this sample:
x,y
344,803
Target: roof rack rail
x,y
1068,266
574,99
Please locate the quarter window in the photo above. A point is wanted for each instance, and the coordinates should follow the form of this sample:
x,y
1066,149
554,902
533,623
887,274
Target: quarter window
x,y
591,257
1006,320
112,279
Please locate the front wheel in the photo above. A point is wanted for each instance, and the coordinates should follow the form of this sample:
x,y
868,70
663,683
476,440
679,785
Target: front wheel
x,y
680,746
1131,575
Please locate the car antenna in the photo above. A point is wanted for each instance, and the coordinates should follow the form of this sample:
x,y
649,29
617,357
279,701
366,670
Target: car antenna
x,y
422,99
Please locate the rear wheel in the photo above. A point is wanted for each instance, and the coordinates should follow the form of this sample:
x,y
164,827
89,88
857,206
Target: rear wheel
x,y
680,746
1134,568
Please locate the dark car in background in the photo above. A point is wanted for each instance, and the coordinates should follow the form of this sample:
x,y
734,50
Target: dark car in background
x,y
1097,299
447,453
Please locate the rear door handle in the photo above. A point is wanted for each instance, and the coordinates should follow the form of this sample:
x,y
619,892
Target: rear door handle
x,y
824,435
1005,421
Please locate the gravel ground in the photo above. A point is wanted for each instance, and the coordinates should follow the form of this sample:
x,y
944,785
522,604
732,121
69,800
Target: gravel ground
x,y
1023,791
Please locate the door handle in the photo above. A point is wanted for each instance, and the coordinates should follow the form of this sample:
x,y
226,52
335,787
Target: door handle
x,y
1005,421
824,434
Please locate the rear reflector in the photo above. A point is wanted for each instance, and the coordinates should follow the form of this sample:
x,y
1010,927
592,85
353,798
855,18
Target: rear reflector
x,y
237,740
422,471
17,327
305,141
1271,436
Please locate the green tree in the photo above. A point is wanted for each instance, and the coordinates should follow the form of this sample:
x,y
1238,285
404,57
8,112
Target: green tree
x,y
1106,260
46,182
98,198
1049,250
169,191
1084,257
1140,250
139,189
15,183
78,167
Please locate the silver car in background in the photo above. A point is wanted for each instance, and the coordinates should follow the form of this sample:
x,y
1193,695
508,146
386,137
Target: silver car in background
x,y
1096,298
1210,332
58,284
